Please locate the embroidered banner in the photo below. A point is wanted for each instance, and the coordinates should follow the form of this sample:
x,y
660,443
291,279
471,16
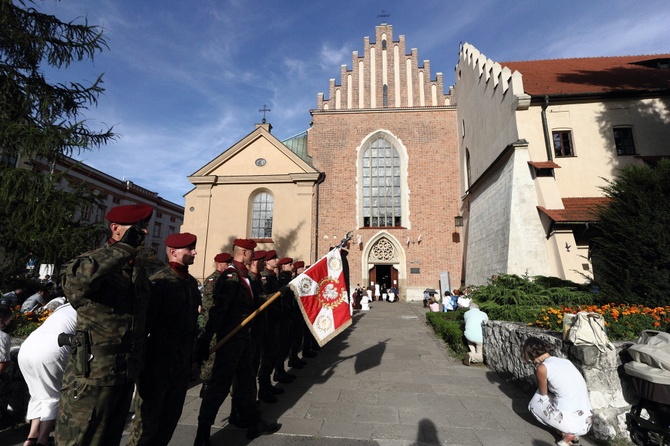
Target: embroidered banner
x,y
322,295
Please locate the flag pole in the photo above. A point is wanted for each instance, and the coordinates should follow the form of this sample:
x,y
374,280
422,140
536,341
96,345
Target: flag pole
x,y
246,321
256,312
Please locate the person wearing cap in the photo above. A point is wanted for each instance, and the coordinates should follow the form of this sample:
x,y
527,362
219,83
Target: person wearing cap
x,y
110,293
221,261
286,325
234,301
172,327
269,346
257,332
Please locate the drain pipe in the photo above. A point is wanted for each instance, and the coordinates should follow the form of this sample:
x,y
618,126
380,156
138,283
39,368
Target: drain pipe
x,y
545,128
322,177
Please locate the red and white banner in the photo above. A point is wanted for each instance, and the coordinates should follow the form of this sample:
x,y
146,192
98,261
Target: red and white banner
x,y
322,295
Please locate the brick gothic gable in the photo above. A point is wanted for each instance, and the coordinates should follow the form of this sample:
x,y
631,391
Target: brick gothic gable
x,y
385,76
415,115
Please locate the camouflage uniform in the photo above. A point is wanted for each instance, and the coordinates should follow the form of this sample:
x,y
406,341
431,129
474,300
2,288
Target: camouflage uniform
x,y
111,296
233,302
162,384
207,304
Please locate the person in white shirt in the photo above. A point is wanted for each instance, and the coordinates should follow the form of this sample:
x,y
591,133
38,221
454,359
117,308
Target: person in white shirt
x,y
5,340
42,361
562,398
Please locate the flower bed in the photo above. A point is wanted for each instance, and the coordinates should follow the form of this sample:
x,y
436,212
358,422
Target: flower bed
x,y
623,322
25,323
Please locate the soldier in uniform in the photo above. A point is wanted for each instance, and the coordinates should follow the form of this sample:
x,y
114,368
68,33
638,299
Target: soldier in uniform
x,y
111,294
298,325
269,346
222,261
257,333
286,322
233,303
172,327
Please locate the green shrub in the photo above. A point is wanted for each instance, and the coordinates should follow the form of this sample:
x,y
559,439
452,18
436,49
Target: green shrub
x,y
449,330
513,313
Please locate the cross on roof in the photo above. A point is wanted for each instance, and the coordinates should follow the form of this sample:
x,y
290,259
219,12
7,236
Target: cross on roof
x,y
383,15
264,110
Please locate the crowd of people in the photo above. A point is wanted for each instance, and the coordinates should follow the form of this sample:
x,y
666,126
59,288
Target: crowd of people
x,y
124,338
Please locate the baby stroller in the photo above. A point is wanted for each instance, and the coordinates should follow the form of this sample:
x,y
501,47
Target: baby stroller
x,y
649,420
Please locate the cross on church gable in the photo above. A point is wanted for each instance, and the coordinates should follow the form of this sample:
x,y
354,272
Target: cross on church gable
x,y
264,110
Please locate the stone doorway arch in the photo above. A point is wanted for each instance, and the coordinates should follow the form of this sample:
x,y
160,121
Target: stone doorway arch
x,y
384,259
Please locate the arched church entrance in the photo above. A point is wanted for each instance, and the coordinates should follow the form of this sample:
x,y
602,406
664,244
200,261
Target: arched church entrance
x,y
385,275
385,263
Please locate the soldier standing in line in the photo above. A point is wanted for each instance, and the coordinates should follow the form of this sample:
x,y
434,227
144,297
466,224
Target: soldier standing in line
x,y
257,333
286,323
233,303
269,346
222,261
298,325
111,294
172,327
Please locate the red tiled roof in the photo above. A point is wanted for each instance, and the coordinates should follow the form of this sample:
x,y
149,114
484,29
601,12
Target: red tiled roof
x,y
544,164
593,74
581,210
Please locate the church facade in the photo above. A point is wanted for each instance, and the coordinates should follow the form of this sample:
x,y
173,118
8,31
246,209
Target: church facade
x,y
380,160
500,174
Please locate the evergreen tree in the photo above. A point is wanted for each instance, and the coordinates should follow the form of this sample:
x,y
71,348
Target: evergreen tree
x,y
42,120
631,253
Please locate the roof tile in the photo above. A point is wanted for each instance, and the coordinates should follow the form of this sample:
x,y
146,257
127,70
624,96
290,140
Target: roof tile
x,y
594,74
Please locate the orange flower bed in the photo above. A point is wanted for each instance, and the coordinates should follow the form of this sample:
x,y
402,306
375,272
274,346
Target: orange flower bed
x,y
623,322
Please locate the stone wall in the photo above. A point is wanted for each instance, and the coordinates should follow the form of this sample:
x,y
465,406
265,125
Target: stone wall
x,y
608,387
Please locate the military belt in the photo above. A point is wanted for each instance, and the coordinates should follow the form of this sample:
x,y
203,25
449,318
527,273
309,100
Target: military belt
x,y
116,349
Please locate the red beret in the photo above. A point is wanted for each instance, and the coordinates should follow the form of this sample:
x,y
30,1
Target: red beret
x,y
259,255
245,243
181,240
285,260
223,257
271,254
299,264
129,214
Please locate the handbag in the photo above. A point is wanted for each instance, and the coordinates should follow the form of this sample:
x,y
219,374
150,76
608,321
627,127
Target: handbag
x,y
589,329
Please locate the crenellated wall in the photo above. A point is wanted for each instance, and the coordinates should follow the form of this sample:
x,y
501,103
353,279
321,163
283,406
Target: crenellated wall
x,y
385,76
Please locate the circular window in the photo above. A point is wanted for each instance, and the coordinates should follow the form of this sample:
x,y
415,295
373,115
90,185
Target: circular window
x,y
260,162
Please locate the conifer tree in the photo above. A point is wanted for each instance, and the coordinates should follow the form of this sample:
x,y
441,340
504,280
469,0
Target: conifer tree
x,y
631,254
42,120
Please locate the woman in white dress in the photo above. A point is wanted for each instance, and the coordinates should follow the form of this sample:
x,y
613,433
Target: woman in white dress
x,y
42,362
562,399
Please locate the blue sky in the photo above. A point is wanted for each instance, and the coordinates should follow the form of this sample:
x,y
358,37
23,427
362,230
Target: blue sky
x,y
184,80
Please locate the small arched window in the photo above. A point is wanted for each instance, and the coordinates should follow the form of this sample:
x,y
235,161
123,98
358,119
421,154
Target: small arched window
x,y
261,215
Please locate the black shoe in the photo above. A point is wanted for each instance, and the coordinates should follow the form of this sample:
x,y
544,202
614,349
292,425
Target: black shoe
x,y
236,421
284,379
201,440
276,390
296,363
267,397
309,354
262,427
